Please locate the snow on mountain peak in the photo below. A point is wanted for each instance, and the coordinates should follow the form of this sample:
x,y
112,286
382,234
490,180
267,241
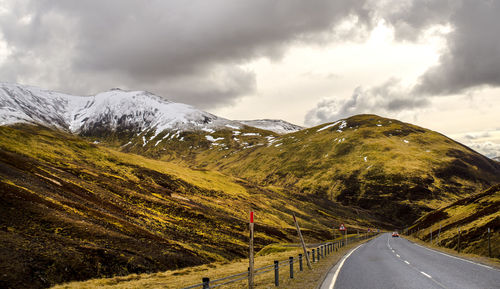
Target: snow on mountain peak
x,y
132,110
275,125
113,110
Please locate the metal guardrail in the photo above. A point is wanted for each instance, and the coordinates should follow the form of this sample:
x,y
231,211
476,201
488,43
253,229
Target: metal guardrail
x,y
318,253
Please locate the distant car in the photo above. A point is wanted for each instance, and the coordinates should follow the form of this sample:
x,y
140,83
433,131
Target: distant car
x,y
395,234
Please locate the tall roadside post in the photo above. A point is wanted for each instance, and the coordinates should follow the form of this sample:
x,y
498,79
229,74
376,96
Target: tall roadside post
x,y
302,242
343,228
250,257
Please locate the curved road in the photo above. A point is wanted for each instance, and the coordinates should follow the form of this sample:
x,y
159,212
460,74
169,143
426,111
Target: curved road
x,y
387,262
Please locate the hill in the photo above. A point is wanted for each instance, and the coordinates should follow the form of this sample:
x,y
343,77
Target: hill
x,y
398,170
74,210
474,215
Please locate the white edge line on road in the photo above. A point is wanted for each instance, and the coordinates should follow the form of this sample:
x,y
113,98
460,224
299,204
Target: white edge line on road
x,y
482,265
407,262
334,279
398,256
426,275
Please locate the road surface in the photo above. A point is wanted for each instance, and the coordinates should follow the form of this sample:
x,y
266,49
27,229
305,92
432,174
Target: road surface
x,y
387,262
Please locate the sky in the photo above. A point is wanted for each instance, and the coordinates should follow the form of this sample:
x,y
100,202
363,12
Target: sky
x,y
434,63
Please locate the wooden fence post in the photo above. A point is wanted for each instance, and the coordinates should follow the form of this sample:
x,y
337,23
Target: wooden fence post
x,y
251,271
206,282
276,273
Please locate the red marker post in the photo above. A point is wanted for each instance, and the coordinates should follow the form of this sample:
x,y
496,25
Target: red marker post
x,y
250,267
343,228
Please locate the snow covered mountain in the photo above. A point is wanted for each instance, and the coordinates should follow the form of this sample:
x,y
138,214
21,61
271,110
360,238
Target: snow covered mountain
x,y
276,125
114,110
132,111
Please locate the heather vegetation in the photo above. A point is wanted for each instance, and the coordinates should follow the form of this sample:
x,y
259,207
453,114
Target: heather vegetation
x,y
74,210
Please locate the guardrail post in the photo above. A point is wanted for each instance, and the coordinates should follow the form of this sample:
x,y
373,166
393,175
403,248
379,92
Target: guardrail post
x,y
322,251
458,240
276,273
300,263
314,255
291,267
317,252
206,282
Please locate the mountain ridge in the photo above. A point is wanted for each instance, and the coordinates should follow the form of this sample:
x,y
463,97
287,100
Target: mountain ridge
x,y
114,110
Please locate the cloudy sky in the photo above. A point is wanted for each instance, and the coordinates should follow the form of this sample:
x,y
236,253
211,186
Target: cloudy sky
x,y
434,63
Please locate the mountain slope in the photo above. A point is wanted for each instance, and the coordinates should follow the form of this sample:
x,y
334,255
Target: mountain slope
x,y
72,210
275,125
474,215
393,168
114,111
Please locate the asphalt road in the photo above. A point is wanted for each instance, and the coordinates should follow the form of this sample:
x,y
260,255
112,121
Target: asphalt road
x,y
387,262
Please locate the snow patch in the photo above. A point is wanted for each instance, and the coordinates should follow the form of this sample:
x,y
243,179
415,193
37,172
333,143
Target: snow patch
x,y
251,134
328,126
209,130
343,124
232,126
212,139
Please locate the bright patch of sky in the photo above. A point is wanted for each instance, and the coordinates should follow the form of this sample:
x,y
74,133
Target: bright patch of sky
x,y
308,73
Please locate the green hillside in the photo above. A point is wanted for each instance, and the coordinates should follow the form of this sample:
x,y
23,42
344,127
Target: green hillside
x,y
74,210
474,215
397,170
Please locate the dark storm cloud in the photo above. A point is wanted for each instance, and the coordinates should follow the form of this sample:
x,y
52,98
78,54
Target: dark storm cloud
x,y
470,61
191,51
153,44
473,55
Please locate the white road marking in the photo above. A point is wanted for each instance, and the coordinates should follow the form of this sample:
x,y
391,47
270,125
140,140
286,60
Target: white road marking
x,y
407,262
398,256
426,275
482,265
392,251
334,279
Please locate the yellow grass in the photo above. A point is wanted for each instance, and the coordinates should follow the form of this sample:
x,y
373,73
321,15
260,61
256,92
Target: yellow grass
x,y
193,275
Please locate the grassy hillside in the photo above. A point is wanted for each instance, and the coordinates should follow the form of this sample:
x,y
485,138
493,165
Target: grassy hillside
x,y
74,210
398,170
474,215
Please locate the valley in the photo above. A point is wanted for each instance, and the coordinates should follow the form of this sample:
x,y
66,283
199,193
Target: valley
x,y
125,182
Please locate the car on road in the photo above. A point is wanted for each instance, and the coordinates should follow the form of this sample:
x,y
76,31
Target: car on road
x,y
395,234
